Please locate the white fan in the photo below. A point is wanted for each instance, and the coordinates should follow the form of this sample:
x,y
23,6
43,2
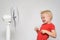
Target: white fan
x,y
13,19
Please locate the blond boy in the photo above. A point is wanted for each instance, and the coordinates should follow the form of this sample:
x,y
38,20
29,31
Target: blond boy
x,y
47,28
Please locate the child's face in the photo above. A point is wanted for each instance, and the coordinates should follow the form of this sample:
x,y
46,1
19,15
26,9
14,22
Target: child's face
x,y
45,18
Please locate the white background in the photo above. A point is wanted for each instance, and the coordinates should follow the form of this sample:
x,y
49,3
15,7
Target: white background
x,y
29,17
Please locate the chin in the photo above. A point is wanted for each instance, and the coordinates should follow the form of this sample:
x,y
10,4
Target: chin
x,y
44,22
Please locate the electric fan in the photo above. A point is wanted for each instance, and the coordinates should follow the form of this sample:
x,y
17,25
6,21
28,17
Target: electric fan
x,y
13,19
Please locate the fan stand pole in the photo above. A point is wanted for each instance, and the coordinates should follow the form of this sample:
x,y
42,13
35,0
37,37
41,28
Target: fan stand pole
x,y
7,19
8,31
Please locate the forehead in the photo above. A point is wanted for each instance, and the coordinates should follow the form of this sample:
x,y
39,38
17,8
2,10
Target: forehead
x,y
46,14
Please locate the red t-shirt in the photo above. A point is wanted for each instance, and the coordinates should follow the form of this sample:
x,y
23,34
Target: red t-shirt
x,y
47,27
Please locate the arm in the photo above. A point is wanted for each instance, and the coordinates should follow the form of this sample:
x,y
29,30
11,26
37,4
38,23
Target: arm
x,y
52,33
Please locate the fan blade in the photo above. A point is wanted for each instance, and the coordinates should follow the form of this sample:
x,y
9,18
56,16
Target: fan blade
x,y
18,14
14,17
14,23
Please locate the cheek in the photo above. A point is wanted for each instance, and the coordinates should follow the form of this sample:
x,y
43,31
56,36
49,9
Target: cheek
x,y
47,19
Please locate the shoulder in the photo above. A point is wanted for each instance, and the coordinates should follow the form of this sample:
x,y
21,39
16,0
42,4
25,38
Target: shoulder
x,y
52,26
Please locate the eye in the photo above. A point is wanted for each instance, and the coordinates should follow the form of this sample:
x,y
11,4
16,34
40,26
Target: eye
x,y
42,17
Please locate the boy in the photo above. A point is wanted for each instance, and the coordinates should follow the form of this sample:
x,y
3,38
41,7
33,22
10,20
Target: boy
x,y
47,28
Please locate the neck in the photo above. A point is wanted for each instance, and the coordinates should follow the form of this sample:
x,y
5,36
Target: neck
x,y
49,22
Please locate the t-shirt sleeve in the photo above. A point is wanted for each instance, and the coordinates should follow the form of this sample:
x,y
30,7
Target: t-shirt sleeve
x,y
52,27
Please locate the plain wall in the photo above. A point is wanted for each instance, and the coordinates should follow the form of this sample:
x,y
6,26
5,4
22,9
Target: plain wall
x,y
29,17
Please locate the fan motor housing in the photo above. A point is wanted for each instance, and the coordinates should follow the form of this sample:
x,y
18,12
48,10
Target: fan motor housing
x,y
7,18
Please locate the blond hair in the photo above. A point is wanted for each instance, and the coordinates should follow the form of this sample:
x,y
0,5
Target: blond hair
x,y
47,12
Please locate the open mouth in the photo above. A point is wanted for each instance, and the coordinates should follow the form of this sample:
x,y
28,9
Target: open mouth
x,y
43,20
